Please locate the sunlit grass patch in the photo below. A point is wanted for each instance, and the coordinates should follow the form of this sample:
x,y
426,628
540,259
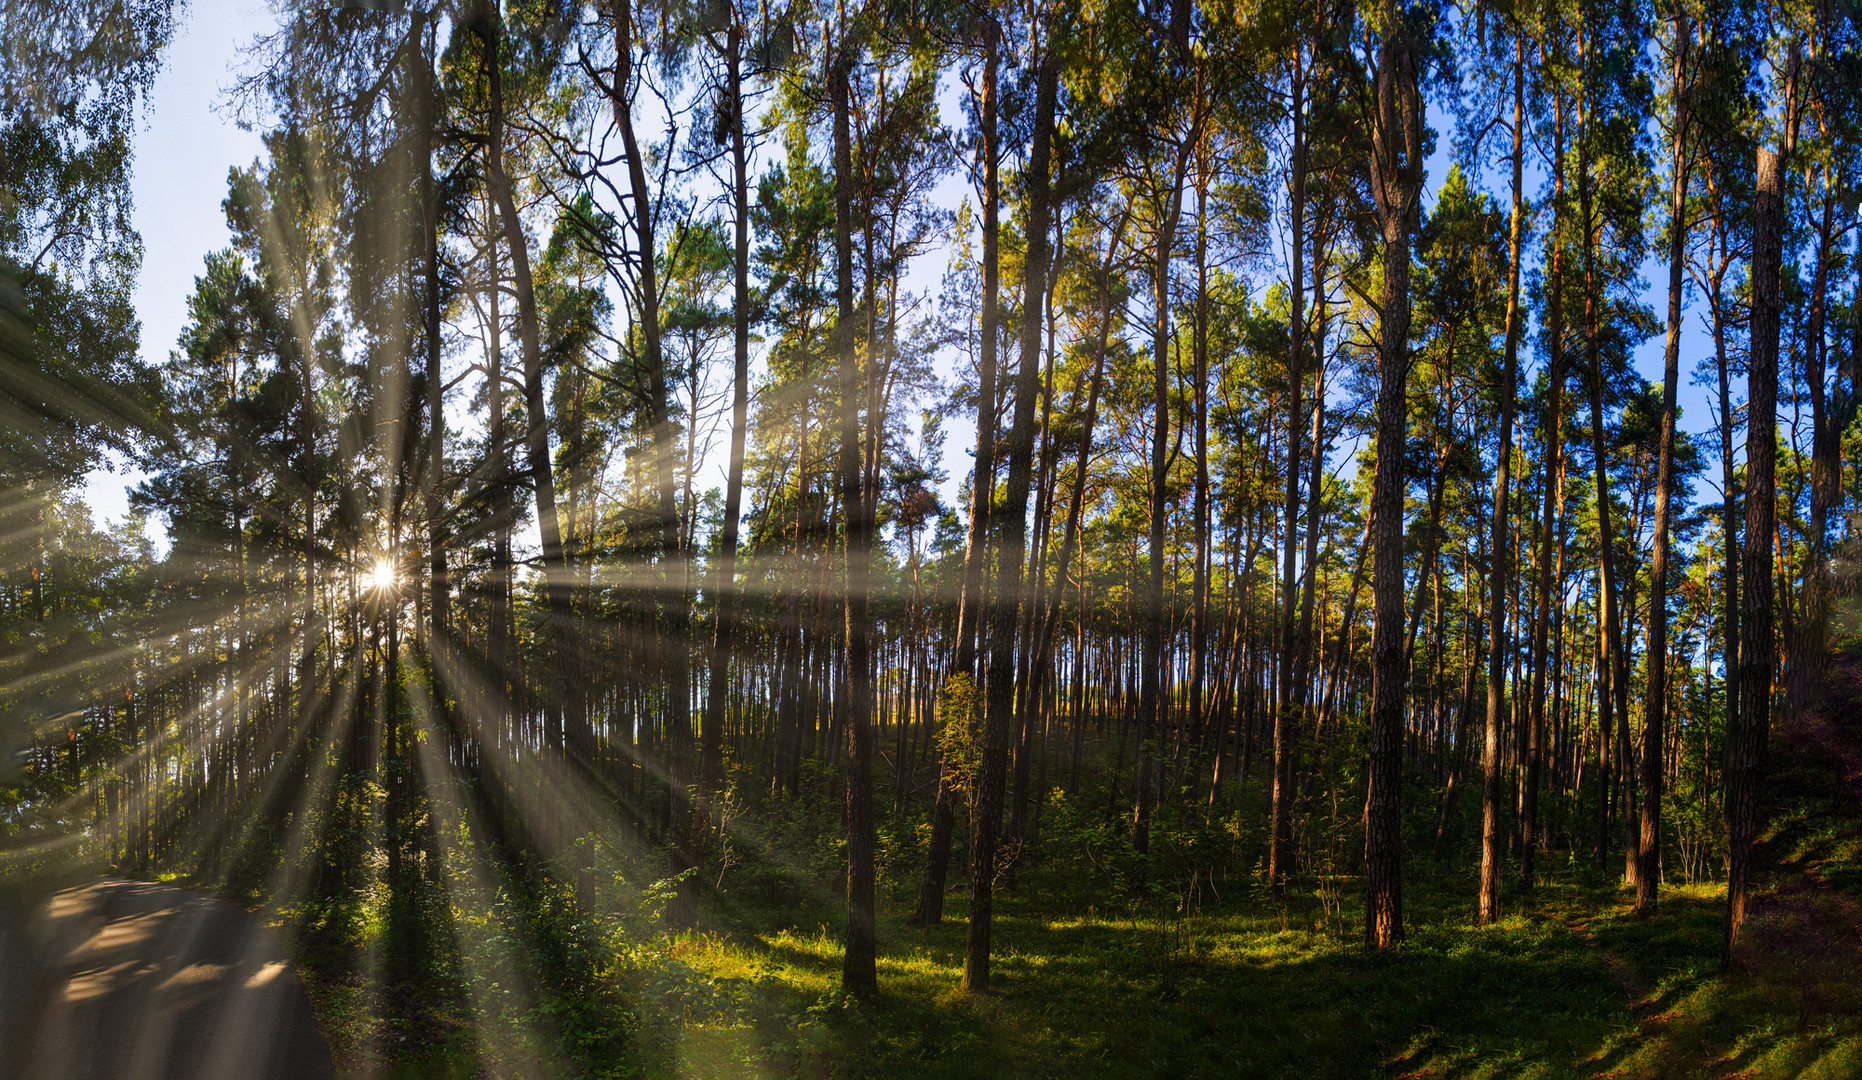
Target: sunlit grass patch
x,y
1125,992
1152,986
1840,1058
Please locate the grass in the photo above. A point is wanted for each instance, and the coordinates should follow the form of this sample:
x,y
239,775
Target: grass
x,y
1785,1009
1570,984
1096,976
1144,992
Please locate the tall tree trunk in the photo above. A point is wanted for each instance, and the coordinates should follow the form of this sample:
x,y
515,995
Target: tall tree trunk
x,y
982,488
724,585
537,435
1150,711
1729,505
1501,573
1396,182
1547,628
498,651
1199,571
1077,500
1746,743
1810,641
674,609
440,603
930,909
1654,709
1006,600
1303,656
859,969
1611,697
1036,702
1286,717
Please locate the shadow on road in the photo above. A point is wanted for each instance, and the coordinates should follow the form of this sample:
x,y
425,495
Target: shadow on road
x,y
125,979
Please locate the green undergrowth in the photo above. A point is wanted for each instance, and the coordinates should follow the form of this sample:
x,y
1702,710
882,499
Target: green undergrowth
x,y
1788,1006
1570,983
1103,970
1105,965
1158,981
1139,991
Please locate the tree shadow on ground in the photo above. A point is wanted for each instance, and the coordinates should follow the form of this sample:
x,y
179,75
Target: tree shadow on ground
x,y
1091,996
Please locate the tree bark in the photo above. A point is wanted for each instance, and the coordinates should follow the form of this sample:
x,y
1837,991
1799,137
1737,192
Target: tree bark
x,y
440,603
1286,714
1150,711
1654,710
536,435
859,973
1005,612
1396,182
673,607
1809,642
930,909
1746,744
724,586
1501,572
1615,685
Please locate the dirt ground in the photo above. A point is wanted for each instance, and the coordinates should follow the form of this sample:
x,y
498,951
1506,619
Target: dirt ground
x,y
139,981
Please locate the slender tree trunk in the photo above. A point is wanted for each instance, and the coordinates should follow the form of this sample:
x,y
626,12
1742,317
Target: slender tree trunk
x,y
1729,510
930,909
1609,700
1397,174
1006,602
982,489
1648,868
724,587
674,608
1077,499
1810,641
859,969
440,605
498,650
1501,573
1034,675
1150,710
1746,744
1286,717
537,438
1303,662
1199,572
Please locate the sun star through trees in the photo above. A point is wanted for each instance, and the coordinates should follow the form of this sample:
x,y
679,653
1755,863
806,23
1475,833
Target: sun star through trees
x,y
381,577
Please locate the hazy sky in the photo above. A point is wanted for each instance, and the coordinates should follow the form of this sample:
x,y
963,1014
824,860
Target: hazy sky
x,y
185,145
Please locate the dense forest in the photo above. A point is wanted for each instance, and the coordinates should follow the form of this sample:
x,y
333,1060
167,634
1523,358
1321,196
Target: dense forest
x,y
646,479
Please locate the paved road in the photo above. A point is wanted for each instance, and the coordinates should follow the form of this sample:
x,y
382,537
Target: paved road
x,y
124,979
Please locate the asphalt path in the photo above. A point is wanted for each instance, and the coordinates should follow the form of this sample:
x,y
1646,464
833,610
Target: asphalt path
x,y
125,979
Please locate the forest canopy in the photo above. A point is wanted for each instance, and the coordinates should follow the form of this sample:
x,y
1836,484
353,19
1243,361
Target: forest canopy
x,y
649,474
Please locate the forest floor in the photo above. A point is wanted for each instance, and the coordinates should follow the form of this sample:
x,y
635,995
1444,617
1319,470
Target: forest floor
x,y
1094,977
1571,983
1185,982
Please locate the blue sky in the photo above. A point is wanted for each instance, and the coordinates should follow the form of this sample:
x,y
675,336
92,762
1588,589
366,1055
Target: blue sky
x,y
185,145
189,139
